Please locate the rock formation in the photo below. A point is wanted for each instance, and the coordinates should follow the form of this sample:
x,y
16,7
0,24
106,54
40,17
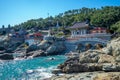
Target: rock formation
x,y
106,59
88,76
52,45
6,56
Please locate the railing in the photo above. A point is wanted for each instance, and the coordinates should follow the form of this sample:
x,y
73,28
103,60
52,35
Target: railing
x,y
90,35
93,39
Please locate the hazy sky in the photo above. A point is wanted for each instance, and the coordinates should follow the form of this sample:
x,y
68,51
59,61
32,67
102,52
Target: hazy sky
x,y
17,11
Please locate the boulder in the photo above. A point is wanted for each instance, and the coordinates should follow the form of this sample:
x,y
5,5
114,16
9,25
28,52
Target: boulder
x,y
111,67
98,46
36,53
55,48
88,46
104,58
117,58
74,68
85,67
91,56
113,47
107,76
44,45
31,48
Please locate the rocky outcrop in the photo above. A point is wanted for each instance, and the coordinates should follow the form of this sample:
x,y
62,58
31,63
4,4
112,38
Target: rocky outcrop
x,y
106,59
107,76
113,48
95,56
56,47
45,48
6,56
88,76
44,45
36,53
52,45
32,48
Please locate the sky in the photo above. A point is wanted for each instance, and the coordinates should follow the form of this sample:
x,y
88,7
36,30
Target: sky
x,y
17,11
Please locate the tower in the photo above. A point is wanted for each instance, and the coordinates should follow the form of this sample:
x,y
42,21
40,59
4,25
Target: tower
x,y
57,25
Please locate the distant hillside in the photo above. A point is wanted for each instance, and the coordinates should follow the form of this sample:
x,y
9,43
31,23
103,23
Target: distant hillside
x,y
108,16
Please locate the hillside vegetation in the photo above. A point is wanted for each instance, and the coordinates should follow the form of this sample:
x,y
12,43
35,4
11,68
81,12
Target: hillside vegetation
x,y
108,16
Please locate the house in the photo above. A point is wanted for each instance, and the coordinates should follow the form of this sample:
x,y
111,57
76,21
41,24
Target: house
x,y
17,36
98,30
79,28
84,30
36,35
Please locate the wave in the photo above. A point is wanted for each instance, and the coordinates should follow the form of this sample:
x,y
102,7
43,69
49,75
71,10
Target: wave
x,y
40,73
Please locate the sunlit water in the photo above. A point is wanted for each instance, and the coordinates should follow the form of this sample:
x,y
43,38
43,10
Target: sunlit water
x,y
31,69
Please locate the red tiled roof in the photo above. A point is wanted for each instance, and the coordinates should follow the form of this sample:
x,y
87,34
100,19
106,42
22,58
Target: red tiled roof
x,y
79,25
37,34
99,28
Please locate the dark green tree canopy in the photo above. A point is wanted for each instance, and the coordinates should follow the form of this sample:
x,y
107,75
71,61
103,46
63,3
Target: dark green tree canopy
x,y
102,17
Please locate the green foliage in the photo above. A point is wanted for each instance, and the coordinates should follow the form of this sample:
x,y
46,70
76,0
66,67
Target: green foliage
x,y
106,16
116,27
102,17
60,34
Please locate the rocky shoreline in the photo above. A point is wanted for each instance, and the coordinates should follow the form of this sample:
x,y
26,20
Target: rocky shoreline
x,y
49,46
105,60
88,76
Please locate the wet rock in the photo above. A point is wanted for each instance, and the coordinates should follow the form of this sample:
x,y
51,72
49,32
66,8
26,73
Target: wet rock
x,y
6,56
36,53
56,71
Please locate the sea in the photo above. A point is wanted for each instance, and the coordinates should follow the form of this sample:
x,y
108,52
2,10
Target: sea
x,y
30,69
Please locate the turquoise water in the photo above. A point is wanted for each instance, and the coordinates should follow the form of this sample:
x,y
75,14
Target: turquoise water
x,y
32,69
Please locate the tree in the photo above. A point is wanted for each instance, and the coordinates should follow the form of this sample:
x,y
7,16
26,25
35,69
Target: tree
x,y
3,26
102,17
116,27
9,26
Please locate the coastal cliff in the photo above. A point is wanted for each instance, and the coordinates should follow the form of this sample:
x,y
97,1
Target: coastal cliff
x,y
49,46
96,62
52,45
